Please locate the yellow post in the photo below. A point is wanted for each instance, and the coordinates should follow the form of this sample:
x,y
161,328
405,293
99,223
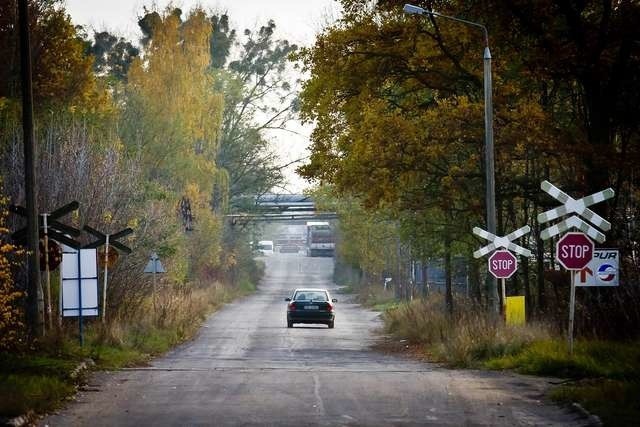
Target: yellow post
x,y
515,310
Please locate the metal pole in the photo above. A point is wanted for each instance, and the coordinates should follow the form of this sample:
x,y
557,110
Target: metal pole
x,y
489,164
106,273
492,282
154,292
60,305
80,299
154,271
35,302
46,266
572,307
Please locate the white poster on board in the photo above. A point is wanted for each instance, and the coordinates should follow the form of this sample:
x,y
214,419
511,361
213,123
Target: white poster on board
x,y
87,266
603,270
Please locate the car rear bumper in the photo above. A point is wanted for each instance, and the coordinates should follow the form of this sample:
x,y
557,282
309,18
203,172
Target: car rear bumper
x,y
310,317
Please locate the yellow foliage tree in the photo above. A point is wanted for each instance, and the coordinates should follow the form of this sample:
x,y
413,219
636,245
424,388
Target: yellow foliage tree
x,y
173,114
11,315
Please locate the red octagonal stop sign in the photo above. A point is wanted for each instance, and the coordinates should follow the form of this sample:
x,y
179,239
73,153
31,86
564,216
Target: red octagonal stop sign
x,y
502,264
574,251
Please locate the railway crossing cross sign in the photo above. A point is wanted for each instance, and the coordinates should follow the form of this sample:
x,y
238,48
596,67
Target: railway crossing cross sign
x,y
502,263
574,251
501,241
577,206
107,240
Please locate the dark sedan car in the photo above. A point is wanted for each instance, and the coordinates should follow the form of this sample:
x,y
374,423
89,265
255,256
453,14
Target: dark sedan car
x,y
310,306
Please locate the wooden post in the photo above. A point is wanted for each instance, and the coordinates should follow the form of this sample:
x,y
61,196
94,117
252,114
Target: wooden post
x,y
35,300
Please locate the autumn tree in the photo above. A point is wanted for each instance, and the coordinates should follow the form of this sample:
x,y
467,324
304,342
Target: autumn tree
x,y
397,103
62,73
11,313
253,72
172,114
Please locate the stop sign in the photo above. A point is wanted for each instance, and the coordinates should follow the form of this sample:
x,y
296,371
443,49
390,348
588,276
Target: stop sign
x,y
574,251
502,264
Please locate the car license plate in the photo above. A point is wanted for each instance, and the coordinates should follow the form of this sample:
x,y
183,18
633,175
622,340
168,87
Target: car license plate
x,y
311,307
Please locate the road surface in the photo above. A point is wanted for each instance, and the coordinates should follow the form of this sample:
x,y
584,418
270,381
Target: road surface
x,y
246,368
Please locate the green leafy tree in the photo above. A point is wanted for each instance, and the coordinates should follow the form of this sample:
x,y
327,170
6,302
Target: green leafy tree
x,y
113,55
253,80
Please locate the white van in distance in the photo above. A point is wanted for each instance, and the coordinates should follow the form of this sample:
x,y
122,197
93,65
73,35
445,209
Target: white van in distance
x,y
265,247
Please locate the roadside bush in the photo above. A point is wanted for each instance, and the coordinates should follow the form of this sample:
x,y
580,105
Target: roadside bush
x,y
11,314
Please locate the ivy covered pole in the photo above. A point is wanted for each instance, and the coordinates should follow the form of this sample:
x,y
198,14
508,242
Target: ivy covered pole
x,y
490,184
35,299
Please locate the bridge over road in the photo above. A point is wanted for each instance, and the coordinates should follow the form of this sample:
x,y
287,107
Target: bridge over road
x,y
292,208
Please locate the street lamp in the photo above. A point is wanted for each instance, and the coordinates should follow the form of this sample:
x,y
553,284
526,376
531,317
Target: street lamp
x,y
488,130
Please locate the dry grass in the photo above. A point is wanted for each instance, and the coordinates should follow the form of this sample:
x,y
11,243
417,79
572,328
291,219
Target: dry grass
x,y
179,312
40,381
605,374
465,339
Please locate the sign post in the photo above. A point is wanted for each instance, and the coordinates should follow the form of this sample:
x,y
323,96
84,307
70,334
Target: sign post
x,y
50,228
154,266
502,263
574,251
107,240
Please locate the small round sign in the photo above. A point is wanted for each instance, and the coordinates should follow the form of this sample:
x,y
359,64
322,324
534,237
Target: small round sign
x,y
502,264
574,251
111,259
54,255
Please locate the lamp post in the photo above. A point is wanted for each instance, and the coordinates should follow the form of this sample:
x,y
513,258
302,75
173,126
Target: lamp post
x,y
488,133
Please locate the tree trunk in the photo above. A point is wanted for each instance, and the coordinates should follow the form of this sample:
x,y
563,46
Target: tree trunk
x,y
476,291
448,275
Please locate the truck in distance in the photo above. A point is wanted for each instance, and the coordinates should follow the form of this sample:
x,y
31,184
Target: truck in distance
x,y
319,239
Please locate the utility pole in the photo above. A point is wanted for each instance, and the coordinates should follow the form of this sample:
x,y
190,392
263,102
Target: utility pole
x,y
492,283
35,299
489,166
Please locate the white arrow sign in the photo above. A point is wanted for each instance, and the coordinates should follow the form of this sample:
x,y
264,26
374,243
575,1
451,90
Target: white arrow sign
x,y
580,207
154,265
501,242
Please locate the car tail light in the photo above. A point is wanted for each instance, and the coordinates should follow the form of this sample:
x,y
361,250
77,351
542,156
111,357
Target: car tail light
x,y
292,306
329,307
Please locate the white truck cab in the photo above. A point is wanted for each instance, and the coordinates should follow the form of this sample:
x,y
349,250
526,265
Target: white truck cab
x,y
265,247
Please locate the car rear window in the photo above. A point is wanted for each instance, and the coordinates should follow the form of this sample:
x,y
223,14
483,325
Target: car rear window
x,y
310,295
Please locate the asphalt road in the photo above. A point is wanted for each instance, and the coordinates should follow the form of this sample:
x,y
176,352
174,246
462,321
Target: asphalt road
x,y
246,368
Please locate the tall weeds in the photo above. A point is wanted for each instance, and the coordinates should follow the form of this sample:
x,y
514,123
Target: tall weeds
x,y
467,337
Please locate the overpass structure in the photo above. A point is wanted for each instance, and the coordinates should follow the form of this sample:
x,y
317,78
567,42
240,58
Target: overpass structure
x,y
282,207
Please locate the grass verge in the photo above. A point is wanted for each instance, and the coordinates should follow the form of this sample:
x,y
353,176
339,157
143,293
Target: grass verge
x,y
604,376
615,402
